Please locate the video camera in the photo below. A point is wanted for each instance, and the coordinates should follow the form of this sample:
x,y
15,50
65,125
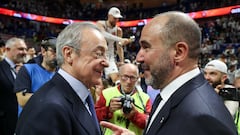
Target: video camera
x,y
126,103
230,94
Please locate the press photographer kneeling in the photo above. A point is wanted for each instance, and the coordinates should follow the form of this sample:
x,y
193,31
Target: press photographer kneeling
x,y
123,104
215,72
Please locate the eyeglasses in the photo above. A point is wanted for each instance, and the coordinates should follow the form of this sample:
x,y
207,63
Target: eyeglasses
x,y
126,77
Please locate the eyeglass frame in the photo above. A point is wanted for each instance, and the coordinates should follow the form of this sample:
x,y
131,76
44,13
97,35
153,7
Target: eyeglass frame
x,y
126,77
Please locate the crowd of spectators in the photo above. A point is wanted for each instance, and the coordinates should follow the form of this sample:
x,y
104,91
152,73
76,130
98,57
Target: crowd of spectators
x,y
75,9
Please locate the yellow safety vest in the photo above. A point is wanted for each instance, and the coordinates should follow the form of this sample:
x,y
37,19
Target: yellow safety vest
x,y
237,121
118,117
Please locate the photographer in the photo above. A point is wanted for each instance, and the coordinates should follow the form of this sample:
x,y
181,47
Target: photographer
x,y
215,73
124,105
236,82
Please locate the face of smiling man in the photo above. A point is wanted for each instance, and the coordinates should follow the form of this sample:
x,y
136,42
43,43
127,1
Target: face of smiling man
x,y
87,61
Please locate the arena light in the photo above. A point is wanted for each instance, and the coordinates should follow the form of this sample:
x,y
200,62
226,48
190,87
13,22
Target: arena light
x,y
195,15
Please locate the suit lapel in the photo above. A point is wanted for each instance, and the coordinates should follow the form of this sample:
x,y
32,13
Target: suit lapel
x,y
7,71
173,101
84,118
79,109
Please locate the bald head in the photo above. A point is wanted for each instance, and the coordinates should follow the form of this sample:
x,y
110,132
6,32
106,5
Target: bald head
x,y
128,67
172,27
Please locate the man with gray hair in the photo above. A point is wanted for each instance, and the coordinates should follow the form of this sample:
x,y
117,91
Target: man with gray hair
x,y
64,103
15,52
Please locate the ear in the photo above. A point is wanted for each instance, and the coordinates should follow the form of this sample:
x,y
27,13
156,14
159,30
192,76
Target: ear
x,y
181,49
7,48
224,78
43,50
67,54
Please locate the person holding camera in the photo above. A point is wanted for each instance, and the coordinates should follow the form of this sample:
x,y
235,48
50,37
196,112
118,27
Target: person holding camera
x,y
123,104
215,73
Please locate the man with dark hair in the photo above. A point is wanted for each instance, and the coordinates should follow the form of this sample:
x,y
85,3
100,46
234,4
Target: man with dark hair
x,y
32,76
2,48
187,104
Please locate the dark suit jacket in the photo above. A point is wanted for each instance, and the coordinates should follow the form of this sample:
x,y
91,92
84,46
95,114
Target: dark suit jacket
x,y
8,100
194,109
55,109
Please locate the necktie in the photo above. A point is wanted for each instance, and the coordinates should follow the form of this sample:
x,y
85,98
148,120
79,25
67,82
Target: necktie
x,y
13,69
90,102
155,104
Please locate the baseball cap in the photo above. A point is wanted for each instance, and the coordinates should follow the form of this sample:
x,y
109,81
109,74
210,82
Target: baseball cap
x,y
49,42
217,65
115,12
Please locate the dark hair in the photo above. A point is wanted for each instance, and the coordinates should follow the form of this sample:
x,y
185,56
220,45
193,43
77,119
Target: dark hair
x,y
2,43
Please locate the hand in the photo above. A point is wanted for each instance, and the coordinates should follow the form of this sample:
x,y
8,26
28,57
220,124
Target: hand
x,y
132,112
119,64
125,41
115,104
117,130
218,87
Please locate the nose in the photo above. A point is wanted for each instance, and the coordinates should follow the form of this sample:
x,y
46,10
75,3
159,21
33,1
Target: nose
x,y
105,63
140,56
24,52
206,76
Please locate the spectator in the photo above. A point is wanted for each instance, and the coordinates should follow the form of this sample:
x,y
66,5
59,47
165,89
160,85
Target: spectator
x,y
64,105
2,48
31,53
187,104
215,73
32,76
113,34
125,105
237,86
15,52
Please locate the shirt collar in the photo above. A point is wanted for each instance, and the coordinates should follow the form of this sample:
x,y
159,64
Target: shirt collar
x,y
167,91
10,62
77,85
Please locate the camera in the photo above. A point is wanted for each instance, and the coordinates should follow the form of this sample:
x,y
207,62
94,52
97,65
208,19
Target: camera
x,y
230,94
126,103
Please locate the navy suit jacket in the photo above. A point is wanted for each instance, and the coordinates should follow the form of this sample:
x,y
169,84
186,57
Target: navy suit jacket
x,y
55,109
8,100
194,109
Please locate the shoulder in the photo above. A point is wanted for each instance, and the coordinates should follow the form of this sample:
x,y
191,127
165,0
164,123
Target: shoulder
x,y
100,22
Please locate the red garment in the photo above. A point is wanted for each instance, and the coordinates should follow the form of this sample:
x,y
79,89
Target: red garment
x,y
103,112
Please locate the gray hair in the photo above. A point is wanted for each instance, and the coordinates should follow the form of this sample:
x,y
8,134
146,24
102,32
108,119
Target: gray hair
x,y
12,41
181,27
71,36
